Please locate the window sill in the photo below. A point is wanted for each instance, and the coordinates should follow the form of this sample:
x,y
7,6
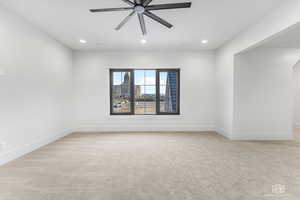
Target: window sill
x,y
145,117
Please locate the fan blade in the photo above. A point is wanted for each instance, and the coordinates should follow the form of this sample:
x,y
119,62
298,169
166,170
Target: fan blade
x,y
111,9
142,23
147,2
129,2
158,19
125,21
169,6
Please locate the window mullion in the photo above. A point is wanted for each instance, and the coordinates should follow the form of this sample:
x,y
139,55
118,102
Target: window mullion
x,y
157,93
132,91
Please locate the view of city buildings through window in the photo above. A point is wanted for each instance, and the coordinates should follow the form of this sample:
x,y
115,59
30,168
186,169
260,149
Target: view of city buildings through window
x,y
168,92
137,92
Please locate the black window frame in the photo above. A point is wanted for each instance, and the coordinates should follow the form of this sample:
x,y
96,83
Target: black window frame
x,y
157,85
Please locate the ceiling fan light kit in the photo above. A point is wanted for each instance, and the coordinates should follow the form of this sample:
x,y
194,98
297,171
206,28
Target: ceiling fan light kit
x,y
143,8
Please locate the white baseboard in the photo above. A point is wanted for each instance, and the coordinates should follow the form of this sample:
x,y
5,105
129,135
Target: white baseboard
x,y
223,132
27,148
242,135
259,135
263,135
102,127
13,154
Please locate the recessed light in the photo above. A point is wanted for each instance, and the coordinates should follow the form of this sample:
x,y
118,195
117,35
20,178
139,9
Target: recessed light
x,y
143,41
204,41
82,41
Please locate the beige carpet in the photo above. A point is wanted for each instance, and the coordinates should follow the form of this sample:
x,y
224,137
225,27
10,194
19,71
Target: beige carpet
x,y
152,166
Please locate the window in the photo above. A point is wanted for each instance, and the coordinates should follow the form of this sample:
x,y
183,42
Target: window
x,y
144,91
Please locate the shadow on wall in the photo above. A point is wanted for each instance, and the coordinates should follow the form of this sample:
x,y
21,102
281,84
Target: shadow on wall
x,y
296,89
263,93
267,88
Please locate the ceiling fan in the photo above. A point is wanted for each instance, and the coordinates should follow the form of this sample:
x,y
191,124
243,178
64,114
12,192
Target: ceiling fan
x,y
143,7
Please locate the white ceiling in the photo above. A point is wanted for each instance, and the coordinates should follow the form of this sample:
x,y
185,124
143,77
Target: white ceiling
x,y
215,20
287,39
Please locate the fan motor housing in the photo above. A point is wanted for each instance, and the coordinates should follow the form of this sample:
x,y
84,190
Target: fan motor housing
x,y
139,9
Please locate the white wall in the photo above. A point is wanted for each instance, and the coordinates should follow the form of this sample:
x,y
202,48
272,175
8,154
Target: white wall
x,y
91,80
297,95
35,77
224,92
280,19
263,98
